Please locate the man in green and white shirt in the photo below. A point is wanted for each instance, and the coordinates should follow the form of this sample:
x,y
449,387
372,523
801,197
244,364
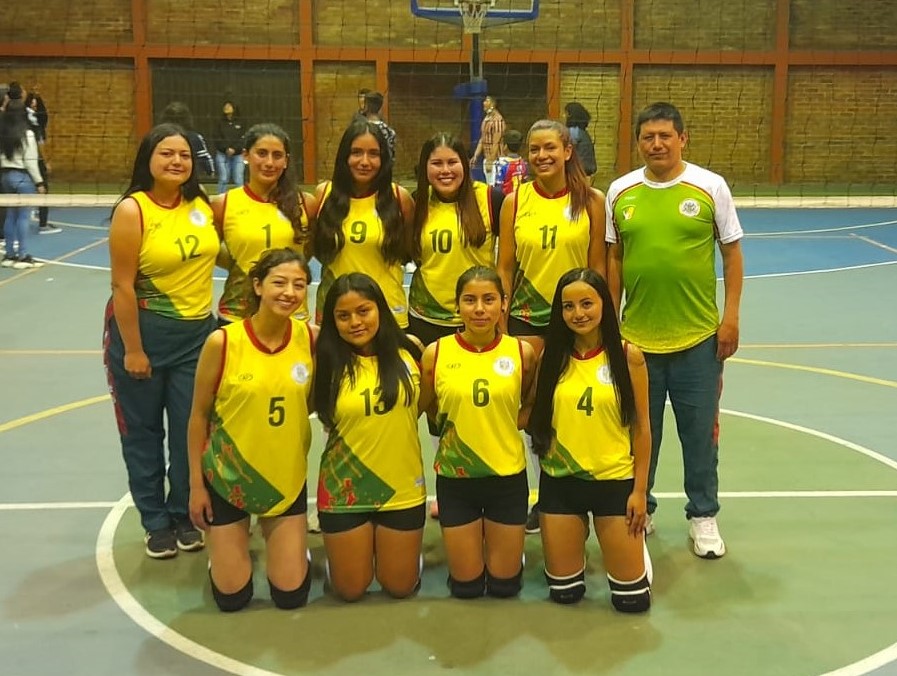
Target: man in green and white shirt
x,y
664,222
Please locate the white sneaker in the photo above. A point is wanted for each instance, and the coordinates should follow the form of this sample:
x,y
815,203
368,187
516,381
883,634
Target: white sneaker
x,y
704,533
649,524
314,524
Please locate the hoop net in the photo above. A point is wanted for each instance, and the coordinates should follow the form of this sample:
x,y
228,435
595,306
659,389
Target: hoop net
x,y
473,13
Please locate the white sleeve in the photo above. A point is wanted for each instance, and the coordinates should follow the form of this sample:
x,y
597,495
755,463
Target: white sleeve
x,y
610,230
30,155
727,224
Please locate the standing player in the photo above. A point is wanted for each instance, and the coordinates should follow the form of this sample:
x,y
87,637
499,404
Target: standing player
x,y
268,212
362,219
250,435
590,427
371,493
664,223
489,146
548,226
476,380
162,247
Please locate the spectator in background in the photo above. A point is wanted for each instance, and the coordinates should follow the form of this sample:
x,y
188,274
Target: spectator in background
x,y
578,119
373,102
510,169
20,175
491,132
37,121
229,147
359,114
179,113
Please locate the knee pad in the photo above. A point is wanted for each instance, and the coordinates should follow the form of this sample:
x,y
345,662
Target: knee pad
x,y
230,603
566,590
630,597
504,587
472,589
289,600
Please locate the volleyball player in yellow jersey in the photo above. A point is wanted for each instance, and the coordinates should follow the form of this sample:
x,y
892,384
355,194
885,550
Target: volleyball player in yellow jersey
x,y
363,218
590,425
162,247
476,380
371,493
250,435
267,213
548,226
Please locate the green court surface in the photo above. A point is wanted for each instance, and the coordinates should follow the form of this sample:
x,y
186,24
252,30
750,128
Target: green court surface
x,y
801,591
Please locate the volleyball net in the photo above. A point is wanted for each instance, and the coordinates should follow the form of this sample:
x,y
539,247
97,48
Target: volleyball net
x,y
785,98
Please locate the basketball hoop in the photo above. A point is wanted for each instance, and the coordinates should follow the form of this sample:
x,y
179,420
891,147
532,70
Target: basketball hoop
x,y
473,12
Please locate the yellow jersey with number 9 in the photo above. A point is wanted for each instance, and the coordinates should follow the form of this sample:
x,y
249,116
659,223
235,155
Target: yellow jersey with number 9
x,y
177,255
362,240
250,227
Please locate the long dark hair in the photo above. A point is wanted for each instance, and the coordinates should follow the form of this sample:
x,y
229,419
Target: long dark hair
x,y
559,348
13,128
336,360
269,260
577,115
284,194
142,178
581,193
473,228
327,236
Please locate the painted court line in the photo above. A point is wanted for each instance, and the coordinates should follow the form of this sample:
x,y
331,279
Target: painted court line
x,y
875,243
803,346
56,410
48,353
817,370
40,506
841,228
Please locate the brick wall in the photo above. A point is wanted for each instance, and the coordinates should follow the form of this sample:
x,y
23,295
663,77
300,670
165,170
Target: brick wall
x,y
839,127
706,24
727,109
91,136
727,112
97,21
266,22
869,24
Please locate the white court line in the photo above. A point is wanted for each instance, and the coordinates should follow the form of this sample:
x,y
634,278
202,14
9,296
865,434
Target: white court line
x,y
126,601
840,228
35,506
796,273
78,226
873,242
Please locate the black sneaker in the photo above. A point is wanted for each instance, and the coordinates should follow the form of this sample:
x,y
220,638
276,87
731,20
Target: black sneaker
x,y
189,538
9,260
532,521
26,262
161,544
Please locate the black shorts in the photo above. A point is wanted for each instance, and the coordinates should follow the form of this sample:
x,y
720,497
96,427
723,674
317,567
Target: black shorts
x,y
518,327
412,518
502,499
571,495
426,332
224,513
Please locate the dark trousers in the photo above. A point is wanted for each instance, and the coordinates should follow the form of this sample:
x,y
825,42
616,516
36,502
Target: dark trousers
x,y
173,347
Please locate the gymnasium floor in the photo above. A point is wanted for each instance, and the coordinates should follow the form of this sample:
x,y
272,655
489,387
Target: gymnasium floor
x,y
808,474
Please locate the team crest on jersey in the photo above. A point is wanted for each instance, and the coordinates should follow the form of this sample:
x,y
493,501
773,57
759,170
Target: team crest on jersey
x,y
198,218
628,211
604,375
504,366
299,373
689,207
244,377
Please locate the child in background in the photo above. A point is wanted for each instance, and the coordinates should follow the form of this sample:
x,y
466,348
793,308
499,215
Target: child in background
x,y
510,169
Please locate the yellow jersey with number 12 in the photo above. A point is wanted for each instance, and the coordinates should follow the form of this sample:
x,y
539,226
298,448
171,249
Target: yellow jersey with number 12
x,y
177,255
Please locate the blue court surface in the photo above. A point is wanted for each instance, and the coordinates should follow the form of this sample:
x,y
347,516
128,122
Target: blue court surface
x,y
777,241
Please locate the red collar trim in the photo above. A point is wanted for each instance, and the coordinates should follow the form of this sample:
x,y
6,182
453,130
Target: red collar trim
x,y
546,195
473,348
247,324
594,352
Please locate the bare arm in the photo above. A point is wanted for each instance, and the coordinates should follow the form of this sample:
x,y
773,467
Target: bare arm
x,y
208,372
527,385
597,245
640,435
507,251
125,238
733,281
426,403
